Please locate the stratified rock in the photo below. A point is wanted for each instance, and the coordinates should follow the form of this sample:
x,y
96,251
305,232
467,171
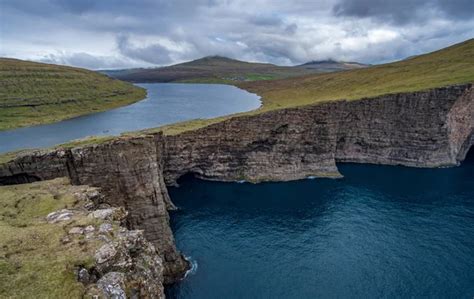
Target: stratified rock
x,y
421,129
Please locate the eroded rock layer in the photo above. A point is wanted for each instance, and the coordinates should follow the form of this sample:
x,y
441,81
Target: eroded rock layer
x,y
423,129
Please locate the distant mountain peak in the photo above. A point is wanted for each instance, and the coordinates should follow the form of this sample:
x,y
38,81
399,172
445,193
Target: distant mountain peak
x,y
216,58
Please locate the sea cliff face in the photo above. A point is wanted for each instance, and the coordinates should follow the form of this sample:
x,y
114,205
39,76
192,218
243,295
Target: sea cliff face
x,y
423,129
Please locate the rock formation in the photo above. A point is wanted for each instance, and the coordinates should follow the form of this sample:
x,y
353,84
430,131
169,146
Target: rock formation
x,y
431,128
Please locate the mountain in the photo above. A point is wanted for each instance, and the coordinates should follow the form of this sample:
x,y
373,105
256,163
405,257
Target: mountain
x,y
218,69
34,93
332,65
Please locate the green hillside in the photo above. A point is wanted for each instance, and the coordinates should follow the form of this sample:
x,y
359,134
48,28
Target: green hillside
x,y
452,65
34,93
217,69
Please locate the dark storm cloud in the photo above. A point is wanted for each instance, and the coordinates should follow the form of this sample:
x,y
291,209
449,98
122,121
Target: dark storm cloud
x,y
121,33
405,11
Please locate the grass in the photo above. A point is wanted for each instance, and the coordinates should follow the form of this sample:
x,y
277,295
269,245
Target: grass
x,y
33,261
35,93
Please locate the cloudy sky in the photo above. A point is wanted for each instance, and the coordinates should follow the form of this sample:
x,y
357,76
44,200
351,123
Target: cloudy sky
x,y
120,33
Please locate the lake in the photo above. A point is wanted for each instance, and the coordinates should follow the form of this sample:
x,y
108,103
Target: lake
x,y
381,231
166,103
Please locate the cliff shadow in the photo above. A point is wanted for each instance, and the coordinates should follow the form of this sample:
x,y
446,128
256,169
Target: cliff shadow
x,y
20,178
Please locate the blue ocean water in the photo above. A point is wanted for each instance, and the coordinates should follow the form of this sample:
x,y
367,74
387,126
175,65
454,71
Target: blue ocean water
x,y
166,103
381,231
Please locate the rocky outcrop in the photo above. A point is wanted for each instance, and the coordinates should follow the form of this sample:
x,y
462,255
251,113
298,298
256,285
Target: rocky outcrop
x,y
423,129
129,173
68,243
125,266
124,263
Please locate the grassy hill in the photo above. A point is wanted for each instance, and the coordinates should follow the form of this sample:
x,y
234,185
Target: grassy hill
x,y
452,65
217,69
34,93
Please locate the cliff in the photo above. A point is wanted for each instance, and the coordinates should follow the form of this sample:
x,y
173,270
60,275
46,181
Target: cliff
x,y
421,129
128,171
432,128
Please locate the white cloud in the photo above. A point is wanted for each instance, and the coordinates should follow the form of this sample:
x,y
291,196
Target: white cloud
x,y
109,33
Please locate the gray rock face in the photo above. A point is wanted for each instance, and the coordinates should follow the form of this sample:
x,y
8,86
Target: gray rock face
x,y
105,253
76,231
112,285
128,171
127,265
105,228
109,214
422,129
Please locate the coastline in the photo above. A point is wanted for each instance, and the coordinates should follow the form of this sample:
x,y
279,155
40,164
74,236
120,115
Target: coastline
x,y
432,128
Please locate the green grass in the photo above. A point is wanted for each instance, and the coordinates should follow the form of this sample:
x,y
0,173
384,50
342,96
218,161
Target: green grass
x,y
33,261
35,93
258,77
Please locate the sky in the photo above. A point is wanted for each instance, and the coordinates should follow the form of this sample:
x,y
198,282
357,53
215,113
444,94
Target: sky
x,y
111,34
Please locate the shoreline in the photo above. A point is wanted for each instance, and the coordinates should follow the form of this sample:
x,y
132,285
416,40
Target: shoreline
x,y
281,145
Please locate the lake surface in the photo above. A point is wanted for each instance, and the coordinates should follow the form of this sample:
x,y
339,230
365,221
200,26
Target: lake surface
x,y
166,103
381,231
